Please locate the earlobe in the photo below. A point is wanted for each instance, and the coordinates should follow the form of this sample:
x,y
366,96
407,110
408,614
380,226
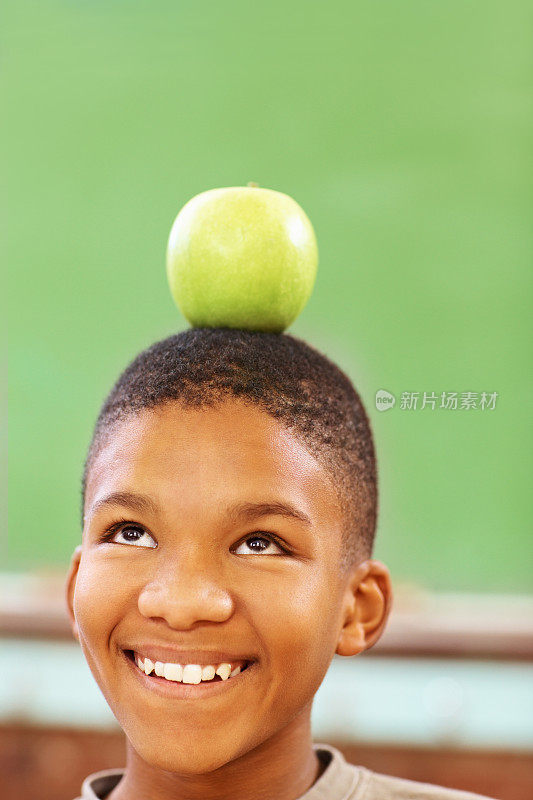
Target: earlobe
x,y
367,605
70,586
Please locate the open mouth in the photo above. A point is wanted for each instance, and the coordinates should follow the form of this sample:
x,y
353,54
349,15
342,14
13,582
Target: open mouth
x,y
188,673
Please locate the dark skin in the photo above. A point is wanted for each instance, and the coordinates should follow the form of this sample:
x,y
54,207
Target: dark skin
x,y
199,572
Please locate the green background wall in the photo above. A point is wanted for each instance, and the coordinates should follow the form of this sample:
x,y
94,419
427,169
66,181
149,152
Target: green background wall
x,y
402,128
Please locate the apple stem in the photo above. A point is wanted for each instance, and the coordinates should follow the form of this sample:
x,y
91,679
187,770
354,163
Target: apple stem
x,y
253,184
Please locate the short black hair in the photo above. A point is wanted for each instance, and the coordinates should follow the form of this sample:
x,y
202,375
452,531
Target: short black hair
x,y
281,374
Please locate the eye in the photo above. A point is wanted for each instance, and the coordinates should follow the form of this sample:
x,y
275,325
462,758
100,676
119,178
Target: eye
x,y
131,534
259,545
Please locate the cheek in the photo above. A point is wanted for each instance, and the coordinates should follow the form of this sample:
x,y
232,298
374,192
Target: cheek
x,y
300,627
100,601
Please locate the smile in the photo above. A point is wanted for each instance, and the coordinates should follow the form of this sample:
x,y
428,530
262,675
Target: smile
x,y
188,680
190,673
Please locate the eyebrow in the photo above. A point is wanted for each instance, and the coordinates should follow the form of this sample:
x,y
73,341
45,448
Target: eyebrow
x,y
138,502
246,512
241,512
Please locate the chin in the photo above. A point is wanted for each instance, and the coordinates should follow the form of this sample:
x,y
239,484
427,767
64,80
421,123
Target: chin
x,y
186,757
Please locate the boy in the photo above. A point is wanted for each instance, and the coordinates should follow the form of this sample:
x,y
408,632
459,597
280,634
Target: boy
x,y
229,508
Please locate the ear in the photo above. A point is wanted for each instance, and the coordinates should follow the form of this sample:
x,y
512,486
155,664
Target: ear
x,y
70,586
367,602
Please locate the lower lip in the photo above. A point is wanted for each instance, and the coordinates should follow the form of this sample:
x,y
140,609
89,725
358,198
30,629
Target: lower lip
x,y
187,691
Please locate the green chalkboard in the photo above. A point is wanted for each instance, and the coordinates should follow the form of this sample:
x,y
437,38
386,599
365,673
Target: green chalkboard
x,y
402,128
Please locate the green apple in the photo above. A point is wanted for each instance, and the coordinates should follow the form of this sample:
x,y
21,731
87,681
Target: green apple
x,y
242,257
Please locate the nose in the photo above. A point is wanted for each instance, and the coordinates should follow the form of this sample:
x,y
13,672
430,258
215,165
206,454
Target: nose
x,y
186,591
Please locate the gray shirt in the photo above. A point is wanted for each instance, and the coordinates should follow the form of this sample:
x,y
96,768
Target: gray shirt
x,y
339,781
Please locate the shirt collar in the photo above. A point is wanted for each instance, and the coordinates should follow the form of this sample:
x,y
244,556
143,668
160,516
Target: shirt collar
x,y
337,782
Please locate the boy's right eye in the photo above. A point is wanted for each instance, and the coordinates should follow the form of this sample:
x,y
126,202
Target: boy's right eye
x,y
131,534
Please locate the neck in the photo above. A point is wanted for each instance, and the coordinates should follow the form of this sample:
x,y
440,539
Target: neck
x,y
284,766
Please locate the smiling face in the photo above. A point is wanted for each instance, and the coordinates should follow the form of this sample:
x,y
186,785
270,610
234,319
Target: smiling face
x,y
232,555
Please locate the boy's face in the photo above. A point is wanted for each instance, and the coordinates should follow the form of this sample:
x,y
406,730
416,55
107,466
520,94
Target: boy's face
x,y
189,575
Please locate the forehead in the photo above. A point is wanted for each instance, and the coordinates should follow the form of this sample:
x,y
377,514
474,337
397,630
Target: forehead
x,y
211,454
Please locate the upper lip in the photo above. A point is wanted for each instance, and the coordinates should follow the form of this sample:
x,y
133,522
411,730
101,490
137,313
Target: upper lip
x,y
172,655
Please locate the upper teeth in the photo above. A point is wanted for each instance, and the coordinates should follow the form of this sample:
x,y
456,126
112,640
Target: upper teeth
x,y
186,673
